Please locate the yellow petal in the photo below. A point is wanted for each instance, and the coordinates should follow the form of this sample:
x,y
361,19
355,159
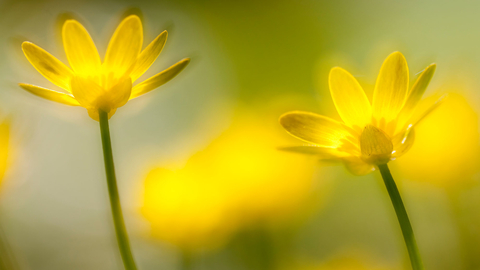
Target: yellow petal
x,y
402,142
80,49
375,145
416,93
419,115
391,88
350,100
49,66
159,79
50,94
119,94
357,166
124,46
314,128
87,92
149,55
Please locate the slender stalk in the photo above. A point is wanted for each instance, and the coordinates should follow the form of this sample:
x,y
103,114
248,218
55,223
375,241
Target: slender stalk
x,y
402,217
121,232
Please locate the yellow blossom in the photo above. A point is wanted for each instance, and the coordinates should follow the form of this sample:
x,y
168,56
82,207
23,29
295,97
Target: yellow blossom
x,y
238,181
94,84
370,134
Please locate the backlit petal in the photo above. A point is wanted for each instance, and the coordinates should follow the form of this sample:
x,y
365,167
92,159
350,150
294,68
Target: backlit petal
x,y
314,128
420,114
50,94
391,88
149,55
416,93
87,92
159,79
350,100
49,66
402,142
124,46
357,166
80,49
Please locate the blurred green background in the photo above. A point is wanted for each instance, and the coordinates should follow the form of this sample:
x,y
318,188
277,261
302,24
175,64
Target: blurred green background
x,y
256,58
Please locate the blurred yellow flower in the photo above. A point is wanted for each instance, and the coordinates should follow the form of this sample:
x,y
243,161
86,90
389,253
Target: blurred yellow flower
x,y
240,180
370,135
4,146
89,82
457,122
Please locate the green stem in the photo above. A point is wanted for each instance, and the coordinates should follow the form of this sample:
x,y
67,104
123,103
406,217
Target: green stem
x,y
402,216
121,232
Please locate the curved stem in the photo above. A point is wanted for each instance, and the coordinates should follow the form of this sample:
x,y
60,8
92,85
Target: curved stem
x,y
121,232
402,216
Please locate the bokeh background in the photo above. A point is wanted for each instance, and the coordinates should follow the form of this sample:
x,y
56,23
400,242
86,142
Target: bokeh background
x,y
201,181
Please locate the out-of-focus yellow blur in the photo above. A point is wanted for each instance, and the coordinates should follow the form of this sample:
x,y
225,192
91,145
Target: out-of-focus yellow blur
x,y
238,181
4,146
446,151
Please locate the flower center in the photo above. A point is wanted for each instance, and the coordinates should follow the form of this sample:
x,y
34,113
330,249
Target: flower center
x,y
375,145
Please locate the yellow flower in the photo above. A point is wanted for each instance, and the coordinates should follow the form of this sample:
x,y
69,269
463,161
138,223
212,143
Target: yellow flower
x,y
238,181
94,84
370,135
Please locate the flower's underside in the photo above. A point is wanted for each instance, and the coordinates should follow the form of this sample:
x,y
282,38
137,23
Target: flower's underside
x,y
371,134
94,84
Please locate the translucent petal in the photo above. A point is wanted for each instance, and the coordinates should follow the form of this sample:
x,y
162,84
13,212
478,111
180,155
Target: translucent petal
x,y
159,79
350,100
49,66
124,47
357,166
50,94
87,92
314,128
402,142
149,55
416,93
391,88
80,49
119,94
91,95
421,114
375,145
320,152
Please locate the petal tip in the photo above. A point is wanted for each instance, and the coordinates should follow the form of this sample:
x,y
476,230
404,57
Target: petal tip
x,y
26,44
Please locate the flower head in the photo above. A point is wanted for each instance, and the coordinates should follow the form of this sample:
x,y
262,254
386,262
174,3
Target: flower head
x,y
94,84
371,134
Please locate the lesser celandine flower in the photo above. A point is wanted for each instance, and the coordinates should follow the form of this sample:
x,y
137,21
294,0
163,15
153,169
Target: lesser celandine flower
x,y
371,135
95,84
238,181
102,86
